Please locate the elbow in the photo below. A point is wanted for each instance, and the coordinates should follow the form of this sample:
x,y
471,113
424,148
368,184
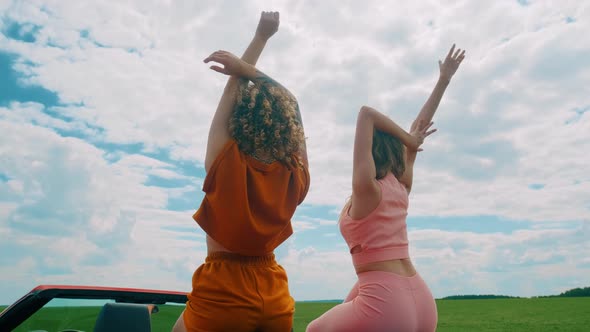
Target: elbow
x,y
366,116
365,112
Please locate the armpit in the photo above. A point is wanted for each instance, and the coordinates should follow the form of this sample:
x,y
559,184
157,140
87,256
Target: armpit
x,y
356,249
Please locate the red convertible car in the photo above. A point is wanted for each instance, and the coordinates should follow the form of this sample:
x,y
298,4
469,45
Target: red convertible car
x,y
51,308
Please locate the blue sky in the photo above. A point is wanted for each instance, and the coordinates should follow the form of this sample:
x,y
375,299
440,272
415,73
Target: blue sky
x,y
105,108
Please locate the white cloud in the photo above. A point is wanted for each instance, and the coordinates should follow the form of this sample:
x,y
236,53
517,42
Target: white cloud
x,y
467,263
515,72
317,274
302,225
81,219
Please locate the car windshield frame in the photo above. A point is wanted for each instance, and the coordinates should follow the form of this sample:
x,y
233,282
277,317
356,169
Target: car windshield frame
x,y
29,304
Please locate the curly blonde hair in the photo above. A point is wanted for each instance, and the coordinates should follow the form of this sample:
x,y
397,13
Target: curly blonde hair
x,y
266,121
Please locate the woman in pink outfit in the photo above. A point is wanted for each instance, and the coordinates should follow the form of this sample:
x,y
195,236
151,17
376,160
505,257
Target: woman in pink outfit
x,y
389,294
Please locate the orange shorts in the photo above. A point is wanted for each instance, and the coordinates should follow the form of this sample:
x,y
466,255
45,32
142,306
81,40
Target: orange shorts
x,y
239,293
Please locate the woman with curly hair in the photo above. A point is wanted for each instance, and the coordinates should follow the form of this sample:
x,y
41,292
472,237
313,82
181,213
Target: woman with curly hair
x,y
257,174
389,294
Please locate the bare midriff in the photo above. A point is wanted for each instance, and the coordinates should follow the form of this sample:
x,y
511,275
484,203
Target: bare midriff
x,y
214,246
403,267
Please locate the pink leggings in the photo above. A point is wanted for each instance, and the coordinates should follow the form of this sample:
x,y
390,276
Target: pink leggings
x,y
382,302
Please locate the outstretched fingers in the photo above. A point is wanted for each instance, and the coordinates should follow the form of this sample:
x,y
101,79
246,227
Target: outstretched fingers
x,y
427,132
424,133
461,57
216,56
450,54
456,55
425,128
219,57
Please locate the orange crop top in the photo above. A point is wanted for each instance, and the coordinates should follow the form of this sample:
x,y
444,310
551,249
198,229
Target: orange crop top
x,y
382,235
248,204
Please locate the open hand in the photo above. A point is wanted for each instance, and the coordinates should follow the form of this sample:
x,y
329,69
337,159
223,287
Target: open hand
x,y
420,132
268,25
451,63
232,65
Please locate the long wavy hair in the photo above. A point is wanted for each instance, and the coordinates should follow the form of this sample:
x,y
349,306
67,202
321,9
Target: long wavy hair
x,y
388,154
265,122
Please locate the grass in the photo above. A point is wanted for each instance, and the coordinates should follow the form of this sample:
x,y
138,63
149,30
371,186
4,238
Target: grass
x,y
305,312
527,315
541,314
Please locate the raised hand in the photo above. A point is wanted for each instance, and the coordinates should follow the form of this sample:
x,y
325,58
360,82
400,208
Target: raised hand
x,y
232,65
419,133
451,63
268,25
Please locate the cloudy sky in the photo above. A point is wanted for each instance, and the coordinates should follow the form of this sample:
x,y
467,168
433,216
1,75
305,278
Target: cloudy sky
x,y
105,108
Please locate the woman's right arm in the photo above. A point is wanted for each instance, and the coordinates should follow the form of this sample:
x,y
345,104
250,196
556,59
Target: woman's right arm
x,y
219,133
363,169
448,68
237,68
364,172
366,193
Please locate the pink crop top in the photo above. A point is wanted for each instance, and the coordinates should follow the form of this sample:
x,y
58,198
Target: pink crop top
x,y
382,235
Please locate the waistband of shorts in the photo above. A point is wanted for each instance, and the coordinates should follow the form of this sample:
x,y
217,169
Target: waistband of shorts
x,y
383,277
223,256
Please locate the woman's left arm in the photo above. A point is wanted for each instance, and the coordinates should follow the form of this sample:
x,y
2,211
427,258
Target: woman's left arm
x,y
419,132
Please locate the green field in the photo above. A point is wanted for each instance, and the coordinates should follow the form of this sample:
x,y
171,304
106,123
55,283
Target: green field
x,y
543,314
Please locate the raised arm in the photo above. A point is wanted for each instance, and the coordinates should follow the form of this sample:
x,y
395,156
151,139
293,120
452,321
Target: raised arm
x,y
363,170
420,131
447,70
219,131
365,189
267,27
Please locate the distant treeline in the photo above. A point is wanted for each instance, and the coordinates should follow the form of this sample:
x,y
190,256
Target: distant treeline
x,y
472,297
576,292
